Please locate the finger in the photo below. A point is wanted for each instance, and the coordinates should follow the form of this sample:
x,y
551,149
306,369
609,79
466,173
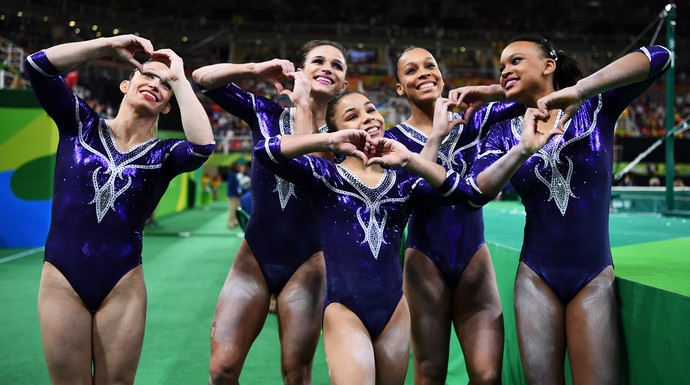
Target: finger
x,y
360,155
278,86
136,63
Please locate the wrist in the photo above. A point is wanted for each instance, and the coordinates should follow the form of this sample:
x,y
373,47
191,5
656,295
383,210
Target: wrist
x,y
523,151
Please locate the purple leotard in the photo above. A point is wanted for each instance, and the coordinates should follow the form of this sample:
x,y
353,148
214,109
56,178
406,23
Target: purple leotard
x,y
360,227
566,186
279,248
102,196
451,235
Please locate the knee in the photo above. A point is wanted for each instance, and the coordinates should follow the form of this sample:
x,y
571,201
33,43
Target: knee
x,y
296,372
489,376
432,373
224,369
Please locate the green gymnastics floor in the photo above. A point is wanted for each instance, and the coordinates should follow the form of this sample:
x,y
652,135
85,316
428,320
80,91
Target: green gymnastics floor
x,y
184,276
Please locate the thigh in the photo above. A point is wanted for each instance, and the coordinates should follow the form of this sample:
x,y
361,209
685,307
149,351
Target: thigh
x,y
349,351
65,329
428,298
299,309
540,319
592,330
118,330
392,347
241,309
478,317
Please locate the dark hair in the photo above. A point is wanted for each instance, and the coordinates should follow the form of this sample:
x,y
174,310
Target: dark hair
x,y
333,103
397,63
310,45
568,70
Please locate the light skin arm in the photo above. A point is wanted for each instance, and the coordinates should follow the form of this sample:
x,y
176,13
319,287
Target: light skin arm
x,y
440,129
218,75
65,57
631,68
195,123
303,118
492,180
345,142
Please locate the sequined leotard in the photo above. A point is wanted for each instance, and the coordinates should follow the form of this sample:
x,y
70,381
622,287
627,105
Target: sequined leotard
x,y
360,227
279,248
102,196
566,186
451,235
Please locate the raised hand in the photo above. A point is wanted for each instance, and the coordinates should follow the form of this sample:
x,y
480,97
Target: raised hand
x,y
531,140
568,99
474,97
274,70
387,152
441,124
125,46
350,142
302,88
173,61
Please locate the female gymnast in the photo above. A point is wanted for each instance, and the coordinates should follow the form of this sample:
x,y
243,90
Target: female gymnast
x,y
564,289
274,259
109,177
448,274
361,210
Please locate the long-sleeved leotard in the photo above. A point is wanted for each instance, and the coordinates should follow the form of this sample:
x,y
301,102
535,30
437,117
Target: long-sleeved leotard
x,y
281,231
566,186
102,196
360,227
451,235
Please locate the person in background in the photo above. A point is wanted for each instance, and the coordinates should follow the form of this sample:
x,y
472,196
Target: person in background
x,y
109,177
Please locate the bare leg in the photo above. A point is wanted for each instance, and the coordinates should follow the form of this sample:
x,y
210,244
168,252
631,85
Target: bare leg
x,y
392,348
65,330
240,315
349,350
478,319
118,331
429,301
300,307
233,204
540,319
592,329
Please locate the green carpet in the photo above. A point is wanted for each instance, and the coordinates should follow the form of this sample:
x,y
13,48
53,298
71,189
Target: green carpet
x,y
184,275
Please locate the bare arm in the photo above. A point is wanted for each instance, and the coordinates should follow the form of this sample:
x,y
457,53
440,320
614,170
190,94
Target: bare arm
x,y
65,57
441,128
631,68
345,142
496,176
195,123
218,75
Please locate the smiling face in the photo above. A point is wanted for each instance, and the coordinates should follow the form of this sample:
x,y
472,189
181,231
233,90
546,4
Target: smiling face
x,y
526,74
325,68
419,76
149,89
356,111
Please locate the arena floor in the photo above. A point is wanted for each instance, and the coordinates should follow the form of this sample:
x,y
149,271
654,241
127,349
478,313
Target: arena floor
x,y
184,275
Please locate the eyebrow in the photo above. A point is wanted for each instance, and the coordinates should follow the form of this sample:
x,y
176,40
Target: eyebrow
x,y
324,58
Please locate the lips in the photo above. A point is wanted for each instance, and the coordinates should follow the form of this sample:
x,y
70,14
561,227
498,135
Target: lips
x,y
324,80
509,83
149,95
426,86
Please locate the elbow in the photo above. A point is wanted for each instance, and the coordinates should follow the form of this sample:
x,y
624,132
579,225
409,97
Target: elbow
x,y
200,77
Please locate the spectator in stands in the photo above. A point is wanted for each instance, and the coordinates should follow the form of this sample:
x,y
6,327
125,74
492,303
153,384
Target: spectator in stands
x,y
560,163
109,176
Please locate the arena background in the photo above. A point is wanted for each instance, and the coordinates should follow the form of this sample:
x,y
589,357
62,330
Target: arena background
x,y
188,254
